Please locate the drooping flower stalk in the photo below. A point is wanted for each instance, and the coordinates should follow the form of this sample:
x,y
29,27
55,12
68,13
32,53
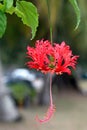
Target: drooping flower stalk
x,y
49,16
51,108
49,57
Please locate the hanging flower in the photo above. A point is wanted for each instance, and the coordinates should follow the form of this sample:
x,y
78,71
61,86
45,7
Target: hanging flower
x,y
51,59
54,59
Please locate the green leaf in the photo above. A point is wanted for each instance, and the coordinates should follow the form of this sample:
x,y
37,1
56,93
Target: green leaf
x,y
3,23
1,7
28,14
8,4
11,10
77,11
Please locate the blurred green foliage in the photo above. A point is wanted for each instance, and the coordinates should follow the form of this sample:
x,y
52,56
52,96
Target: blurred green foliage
x,y
63,19
9,47
76,38
21,90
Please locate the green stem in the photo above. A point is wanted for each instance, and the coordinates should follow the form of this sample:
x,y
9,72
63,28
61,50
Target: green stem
x,y
48,6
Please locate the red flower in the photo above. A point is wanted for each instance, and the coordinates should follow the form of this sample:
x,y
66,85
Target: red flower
x,y
54,59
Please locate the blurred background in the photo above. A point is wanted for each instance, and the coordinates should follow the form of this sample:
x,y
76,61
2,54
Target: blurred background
x,y
28,90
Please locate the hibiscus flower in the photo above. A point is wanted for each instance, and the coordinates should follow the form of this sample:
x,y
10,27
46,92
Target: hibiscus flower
x,y
54,59
48,58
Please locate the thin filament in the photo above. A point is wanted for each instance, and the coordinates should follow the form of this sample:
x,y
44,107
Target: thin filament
x,y
51,98
51,108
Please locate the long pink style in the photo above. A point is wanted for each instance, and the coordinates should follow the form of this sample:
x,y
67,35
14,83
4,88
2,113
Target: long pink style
x,y
51,108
